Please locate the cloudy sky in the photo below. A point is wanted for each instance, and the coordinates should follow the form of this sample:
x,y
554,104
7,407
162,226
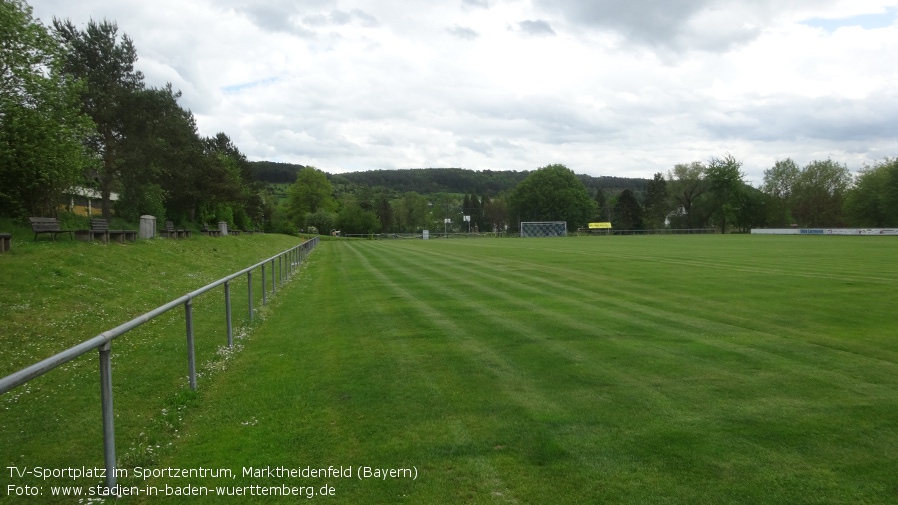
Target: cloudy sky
x,y
606,87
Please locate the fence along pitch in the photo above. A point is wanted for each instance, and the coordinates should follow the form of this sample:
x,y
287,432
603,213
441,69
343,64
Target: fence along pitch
x,y
103,344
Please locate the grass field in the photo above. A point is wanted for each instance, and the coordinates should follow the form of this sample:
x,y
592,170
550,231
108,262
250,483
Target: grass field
x,y
659,369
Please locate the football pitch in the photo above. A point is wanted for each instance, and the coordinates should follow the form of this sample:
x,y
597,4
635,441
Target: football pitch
x,y
658,369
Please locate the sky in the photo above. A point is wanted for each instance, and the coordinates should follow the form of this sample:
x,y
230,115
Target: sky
x,y
623,88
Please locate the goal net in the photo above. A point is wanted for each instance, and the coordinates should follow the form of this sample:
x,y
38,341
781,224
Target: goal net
x,y
544,229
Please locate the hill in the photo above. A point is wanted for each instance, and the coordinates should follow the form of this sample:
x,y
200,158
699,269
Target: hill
x,y
439,180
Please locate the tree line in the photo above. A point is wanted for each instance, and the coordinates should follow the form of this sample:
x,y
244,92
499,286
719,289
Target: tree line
x,y
75,112
823,193
694,195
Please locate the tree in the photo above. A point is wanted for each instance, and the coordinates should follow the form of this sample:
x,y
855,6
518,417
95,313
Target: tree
x,y
384,212
779,185
473,207
106,64
322,220
495,214
164,157
603,210
688,186
354,219
41,127
412,212
656,202
873,201
627,213
820,192
553,193
751,209
446,206
235,195
725,183
310,192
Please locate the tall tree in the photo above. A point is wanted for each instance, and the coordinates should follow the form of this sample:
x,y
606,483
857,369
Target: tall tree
x,y
725,183
310,192
352,218
751,209
873,201
412,212
627,213
688,186
553,193
779,185
495,214
106,64
820,192
163,154
656,202
41,126
384,212
235,196
603,210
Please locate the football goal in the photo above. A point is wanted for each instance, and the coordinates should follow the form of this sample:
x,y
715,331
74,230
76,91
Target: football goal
x,y
544,229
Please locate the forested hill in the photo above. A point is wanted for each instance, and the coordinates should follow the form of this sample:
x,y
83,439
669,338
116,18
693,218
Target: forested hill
x,y
275,173
437,180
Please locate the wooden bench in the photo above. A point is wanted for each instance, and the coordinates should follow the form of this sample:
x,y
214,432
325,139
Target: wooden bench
x,y
171,232
100,228
212,232
5,242
48,225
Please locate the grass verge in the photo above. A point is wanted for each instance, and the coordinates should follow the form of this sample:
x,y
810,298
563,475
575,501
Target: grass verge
x,y
57,294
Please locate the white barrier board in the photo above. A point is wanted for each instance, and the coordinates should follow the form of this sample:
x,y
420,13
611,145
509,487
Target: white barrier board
x,y
825,231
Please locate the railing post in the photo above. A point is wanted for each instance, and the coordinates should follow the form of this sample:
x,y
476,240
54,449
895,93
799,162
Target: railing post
x,y
274,280
227,289
191,356
108,415
249,284
264,286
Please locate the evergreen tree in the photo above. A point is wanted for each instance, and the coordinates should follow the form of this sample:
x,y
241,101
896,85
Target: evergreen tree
x,y
656,202
106,64
627,213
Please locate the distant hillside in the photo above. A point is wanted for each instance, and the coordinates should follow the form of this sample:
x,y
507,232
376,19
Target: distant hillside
x,y
437,180
275,173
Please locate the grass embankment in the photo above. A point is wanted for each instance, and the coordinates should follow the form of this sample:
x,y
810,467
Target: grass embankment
x,y
57,294
674,369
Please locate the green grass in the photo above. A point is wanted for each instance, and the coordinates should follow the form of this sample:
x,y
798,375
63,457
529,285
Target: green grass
x,y
661,369
54,295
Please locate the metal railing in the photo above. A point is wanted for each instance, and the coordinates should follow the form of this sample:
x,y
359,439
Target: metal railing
x,y
282,266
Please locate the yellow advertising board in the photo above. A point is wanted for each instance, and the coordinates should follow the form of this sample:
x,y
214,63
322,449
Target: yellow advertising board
x,y
599,226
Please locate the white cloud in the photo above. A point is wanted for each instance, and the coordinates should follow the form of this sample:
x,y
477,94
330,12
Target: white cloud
x,y
618,87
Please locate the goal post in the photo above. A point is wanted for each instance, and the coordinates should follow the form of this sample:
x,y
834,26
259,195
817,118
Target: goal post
x,y
544,229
